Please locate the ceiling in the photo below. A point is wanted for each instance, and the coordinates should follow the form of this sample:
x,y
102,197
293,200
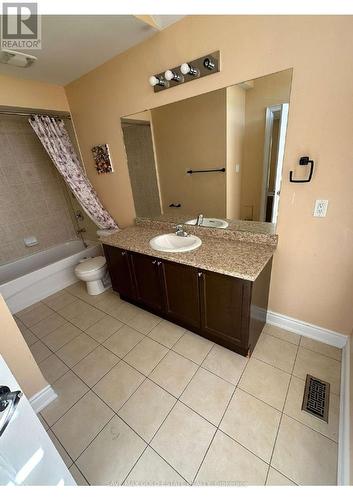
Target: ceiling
x,y
74,45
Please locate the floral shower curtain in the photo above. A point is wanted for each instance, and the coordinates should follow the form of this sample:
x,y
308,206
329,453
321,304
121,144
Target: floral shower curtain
x,y
57,143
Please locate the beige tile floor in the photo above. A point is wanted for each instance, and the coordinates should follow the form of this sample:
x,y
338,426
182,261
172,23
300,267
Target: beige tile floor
x,y
143,401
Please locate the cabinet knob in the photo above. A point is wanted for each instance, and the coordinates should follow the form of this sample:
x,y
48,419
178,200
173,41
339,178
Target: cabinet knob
x,y
154,262
123,253
199,274
159,263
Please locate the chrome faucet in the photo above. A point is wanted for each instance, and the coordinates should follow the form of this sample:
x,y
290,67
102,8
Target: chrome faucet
x,y
180,231
199,220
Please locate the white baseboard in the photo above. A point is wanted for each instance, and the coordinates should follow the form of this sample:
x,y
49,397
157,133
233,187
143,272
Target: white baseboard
x,y
343,475
40,400
307,329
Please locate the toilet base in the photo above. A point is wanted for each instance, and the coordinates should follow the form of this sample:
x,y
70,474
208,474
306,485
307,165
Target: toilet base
x,y
95,287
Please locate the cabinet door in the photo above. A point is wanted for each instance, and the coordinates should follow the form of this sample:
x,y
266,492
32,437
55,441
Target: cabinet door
x,y
221,307
147,280
181,293
120,271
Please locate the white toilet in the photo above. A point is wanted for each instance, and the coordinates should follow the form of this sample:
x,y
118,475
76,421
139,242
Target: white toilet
x,y
92,271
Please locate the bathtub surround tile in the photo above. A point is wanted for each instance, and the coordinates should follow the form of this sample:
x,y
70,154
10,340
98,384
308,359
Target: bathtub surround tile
x,y
265,382
94,366
229,464
174,373
121,342
59,300
321,348
61,336
146,409
40,351
152,470
282,334
318,455
183,440
33,314
193,347
104,328
319,366
224,363
251,423
143,322
77,349
52,368
81,424
276,352
166,333
111,455
293,408
118,385
69,389
48,325
146,355
208,395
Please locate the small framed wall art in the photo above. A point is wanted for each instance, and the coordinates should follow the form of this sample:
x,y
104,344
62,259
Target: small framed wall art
x,y
102,159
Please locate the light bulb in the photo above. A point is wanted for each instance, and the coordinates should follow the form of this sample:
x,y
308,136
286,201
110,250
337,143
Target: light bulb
x,y
185,68
153,80
169,75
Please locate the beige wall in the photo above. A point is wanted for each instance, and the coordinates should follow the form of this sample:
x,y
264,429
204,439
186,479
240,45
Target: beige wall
x,y
234,145
191,134
17,355
32,94
312,271
267,91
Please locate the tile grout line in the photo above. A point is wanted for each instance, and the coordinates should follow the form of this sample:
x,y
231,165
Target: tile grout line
x,y
282,413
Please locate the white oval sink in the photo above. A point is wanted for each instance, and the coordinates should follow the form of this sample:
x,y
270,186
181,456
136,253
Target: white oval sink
x,y
207,222
173,243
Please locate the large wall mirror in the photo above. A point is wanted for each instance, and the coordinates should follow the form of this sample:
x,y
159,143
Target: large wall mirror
x,y
218,154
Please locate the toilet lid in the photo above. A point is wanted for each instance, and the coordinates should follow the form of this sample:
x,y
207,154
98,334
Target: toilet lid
x,y
91,264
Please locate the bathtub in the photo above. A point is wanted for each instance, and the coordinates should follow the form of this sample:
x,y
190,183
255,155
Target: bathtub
x,y
32,278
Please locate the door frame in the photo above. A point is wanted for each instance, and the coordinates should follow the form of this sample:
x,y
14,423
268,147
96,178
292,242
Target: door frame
x,y
271,112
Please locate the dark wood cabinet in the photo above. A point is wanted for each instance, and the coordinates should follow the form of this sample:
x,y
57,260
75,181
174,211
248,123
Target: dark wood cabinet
x,y
146,271
230,311
222,307
120,269
181,293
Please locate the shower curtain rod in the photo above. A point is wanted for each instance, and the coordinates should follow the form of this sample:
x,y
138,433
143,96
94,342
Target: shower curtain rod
x,y
19,113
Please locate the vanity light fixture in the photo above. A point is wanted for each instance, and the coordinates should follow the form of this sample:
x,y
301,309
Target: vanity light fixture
x,y
209,63
186,69
186,72
157,81
170,75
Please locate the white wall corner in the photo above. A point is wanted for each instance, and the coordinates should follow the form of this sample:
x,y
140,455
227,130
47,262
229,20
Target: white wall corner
x,y
40,400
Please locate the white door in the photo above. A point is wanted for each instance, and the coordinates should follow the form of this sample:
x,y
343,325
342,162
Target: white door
x,y
27,455
280,155
277,112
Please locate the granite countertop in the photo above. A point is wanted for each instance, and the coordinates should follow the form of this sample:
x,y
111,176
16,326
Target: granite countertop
x,y
240,259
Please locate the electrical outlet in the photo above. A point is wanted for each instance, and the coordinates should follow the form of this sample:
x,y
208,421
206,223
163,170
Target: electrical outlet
x,y
237,168
320,208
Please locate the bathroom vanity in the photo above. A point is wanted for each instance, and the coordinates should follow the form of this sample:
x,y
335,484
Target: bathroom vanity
x,y
219,291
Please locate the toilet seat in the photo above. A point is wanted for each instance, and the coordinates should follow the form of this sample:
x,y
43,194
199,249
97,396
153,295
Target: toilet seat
x,y
90,266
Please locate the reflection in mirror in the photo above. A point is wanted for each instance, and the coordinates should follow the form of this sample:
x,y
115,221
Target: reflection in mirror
x,y
218,155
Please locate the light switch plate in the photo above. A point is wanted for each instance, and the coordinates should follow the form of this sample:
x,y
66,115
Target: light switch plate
x,y
320,208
